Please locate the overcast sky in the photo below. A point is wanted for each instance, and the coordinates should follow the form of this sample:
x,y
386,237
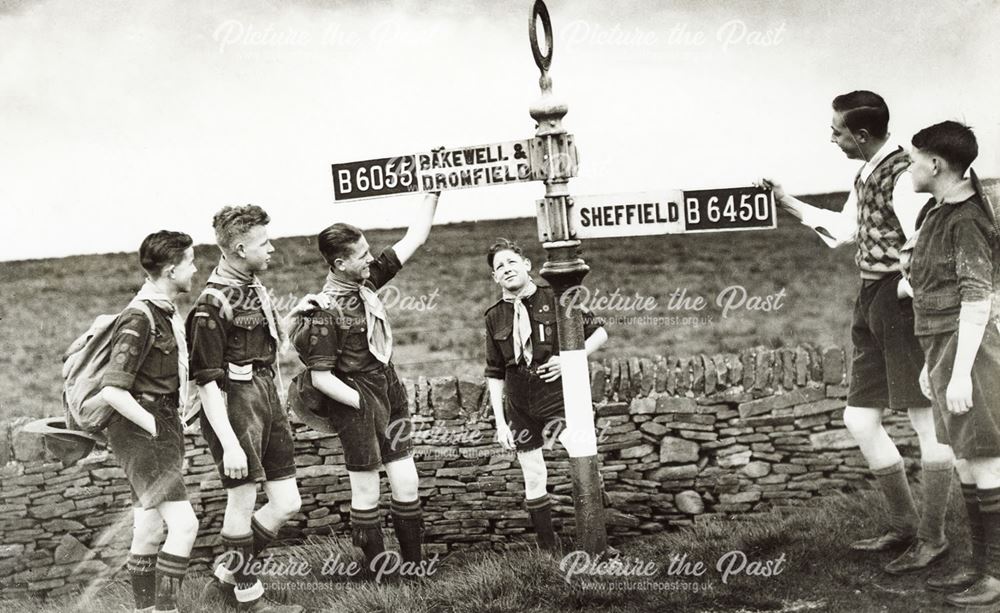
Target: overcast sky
x,y
118,118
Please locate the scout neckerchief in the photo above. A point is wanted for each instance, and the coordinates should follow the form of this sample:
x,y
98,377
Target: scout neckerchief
x,y
522,323
152,294
226,274
379,332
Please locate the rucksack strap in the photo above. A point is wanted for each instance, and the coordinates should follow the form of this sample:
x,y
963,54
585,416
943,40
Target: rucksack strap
x,y
140,305
227,309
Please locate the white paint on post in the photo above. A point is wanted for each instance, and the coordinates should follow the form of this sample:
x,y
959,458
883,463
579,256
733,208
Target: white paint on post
x,y
580,436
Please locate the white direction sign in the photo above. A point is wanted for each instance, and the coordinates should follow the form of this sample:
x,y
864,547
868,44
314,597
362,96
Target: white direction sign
x,y
669,212
441,169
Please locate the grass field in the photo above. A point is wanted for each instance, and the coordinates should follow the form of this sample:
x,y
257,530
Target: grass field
x,y
817,573
45,304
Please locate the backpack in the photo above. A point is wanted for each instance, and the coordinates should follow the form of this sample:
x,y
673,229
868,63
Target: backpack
x,y
308,403
989,203
83,368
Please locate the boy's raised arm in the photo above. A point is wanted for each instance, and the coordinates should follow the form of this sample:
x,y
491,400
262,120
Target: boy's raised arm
x,y
419,229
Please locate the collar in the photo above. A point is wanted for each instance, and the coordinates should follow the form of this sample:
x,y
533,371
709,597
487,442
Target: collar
x,y
888,148
959,192
227,271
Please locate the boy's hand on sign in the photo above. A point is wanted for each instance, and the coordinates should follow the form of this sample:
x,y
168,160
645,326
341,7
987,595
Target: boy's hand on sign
x,y
505,437
925,382
550,370
774,186
959,394
234,462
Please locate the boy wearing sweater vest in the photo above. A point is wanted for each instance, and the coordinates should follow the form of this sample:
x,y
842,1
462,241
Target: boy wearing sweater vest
x,y
879,216
954,277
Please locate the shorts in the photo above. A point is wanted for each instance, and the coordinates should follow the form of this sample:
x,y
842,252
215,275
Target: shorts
x,y
975,434
153,465
380,431
885,368
533,407
261,425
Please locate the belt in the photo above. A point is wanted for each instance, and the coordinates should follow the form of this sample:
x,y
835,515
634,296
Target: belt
x,y
172,397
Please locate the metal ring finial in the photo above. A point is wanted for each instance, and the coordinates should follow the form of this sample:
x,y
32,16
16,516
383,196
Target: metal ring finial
x,y
539,10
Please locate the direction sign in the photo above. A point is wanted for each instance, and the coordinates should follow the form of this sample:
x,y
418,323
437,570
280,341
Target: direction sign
x,y
442,169
667,212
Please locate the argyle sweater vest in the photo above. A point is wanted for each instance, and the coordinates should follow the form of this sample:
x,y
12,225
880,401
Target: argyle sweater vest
x,y
880,236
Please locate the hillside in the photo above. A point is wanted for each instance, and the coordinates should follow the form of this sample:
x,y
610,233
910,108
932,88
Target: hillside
x,y
45,304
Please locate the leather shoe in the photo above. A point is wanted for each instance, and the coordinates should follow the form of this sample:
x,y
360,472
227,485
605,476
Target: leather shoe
x,y
982,593
889,541
919,556
954,582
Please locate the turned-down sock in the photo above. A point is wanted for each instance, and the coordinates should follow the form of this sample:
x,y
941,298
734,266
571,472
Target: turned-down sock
x,y
407,518
142,570
540,510
977,531
896,491
262,537
170,571
989,512
936,478
366,533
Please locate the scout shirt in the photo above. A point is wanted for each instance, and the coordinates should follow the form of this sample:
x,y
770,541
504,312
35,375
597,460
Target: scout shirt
x,y
143,360
215,341
337,339
544,337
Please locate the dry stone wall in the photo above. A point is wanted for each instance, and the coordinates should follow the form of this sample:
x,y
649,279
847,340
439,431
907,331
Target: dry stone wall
x,y
680,439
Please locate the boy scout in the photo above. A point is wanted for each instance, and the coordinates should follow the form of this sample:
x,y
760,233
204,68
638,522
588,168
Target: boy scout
x,y
954,279
146,382
347,349
234,337
522,363
879,216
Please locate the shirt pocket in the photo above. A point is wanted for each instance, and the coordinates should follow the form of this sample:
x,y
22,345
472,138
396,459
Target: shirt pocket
x,y
162,356
941,300
544,336
503,339
248,340
356,339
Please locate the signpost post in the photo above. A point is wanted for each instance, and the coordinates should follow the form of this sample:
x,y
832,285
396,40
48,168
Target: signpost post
x,y
564,270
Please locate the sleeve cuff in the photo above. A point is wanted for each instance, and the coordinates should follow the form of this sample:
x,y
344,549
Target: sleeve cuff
x,y
494,372
117,378
321,364
203,377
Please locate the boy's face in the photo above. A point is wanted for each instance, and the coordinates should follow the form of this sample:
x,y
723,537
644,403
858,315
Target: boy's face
x,y
842,136
182,273
255,249
510,270
922,170
356,266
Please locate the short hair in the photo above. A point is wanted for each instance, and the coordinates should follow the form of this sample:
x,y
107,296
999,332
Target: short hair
x,y
162,249
863,110
950,140
233,222
337,241
502,244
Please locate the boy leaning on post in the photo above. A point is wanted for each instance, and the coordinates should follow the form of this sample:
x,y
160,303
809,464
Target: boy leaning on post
x,y
954,278
146,383
234,335
522,373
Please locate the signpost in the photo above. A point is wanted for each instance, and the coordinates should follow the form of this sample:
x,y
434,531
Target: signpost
x,y
551,156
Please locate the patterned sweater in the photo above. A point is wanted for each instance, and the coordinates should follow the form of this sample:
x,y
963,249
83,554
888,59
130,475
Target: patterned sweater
x,y
880,236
